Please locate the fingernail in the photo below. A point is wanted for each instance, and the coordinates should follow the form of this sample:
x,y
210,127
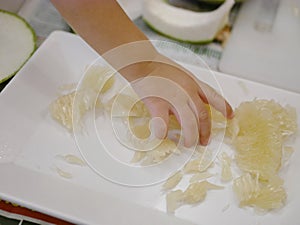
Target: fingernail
x,y
190,141
158,127
231,115
204,141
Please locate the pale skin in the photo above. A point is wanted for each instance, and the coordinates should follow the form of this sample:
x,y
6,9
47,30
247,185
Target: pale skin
x,y
105,26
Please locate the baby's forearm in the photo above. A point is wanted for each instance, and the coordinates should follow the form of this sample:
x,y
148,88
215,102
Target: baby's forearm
x,y
102,23
105,26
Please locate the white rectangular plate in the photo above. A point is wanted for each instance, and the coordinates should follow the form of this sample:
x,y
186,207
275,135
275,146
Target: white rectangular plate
x,y
30,142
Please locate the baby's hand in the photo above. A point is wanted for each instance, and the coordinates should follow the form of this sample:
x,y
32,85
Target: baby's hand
x,y
170,89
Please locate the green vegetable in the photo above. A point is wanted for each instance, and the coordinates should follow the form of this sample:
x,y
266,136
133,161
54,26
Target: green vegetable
x,y
17,44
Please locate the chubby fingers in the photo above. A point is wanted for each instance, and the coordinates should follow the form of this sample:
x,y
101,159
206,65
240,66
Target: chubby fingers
x,y
189,124
159,111
212,97
203,119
